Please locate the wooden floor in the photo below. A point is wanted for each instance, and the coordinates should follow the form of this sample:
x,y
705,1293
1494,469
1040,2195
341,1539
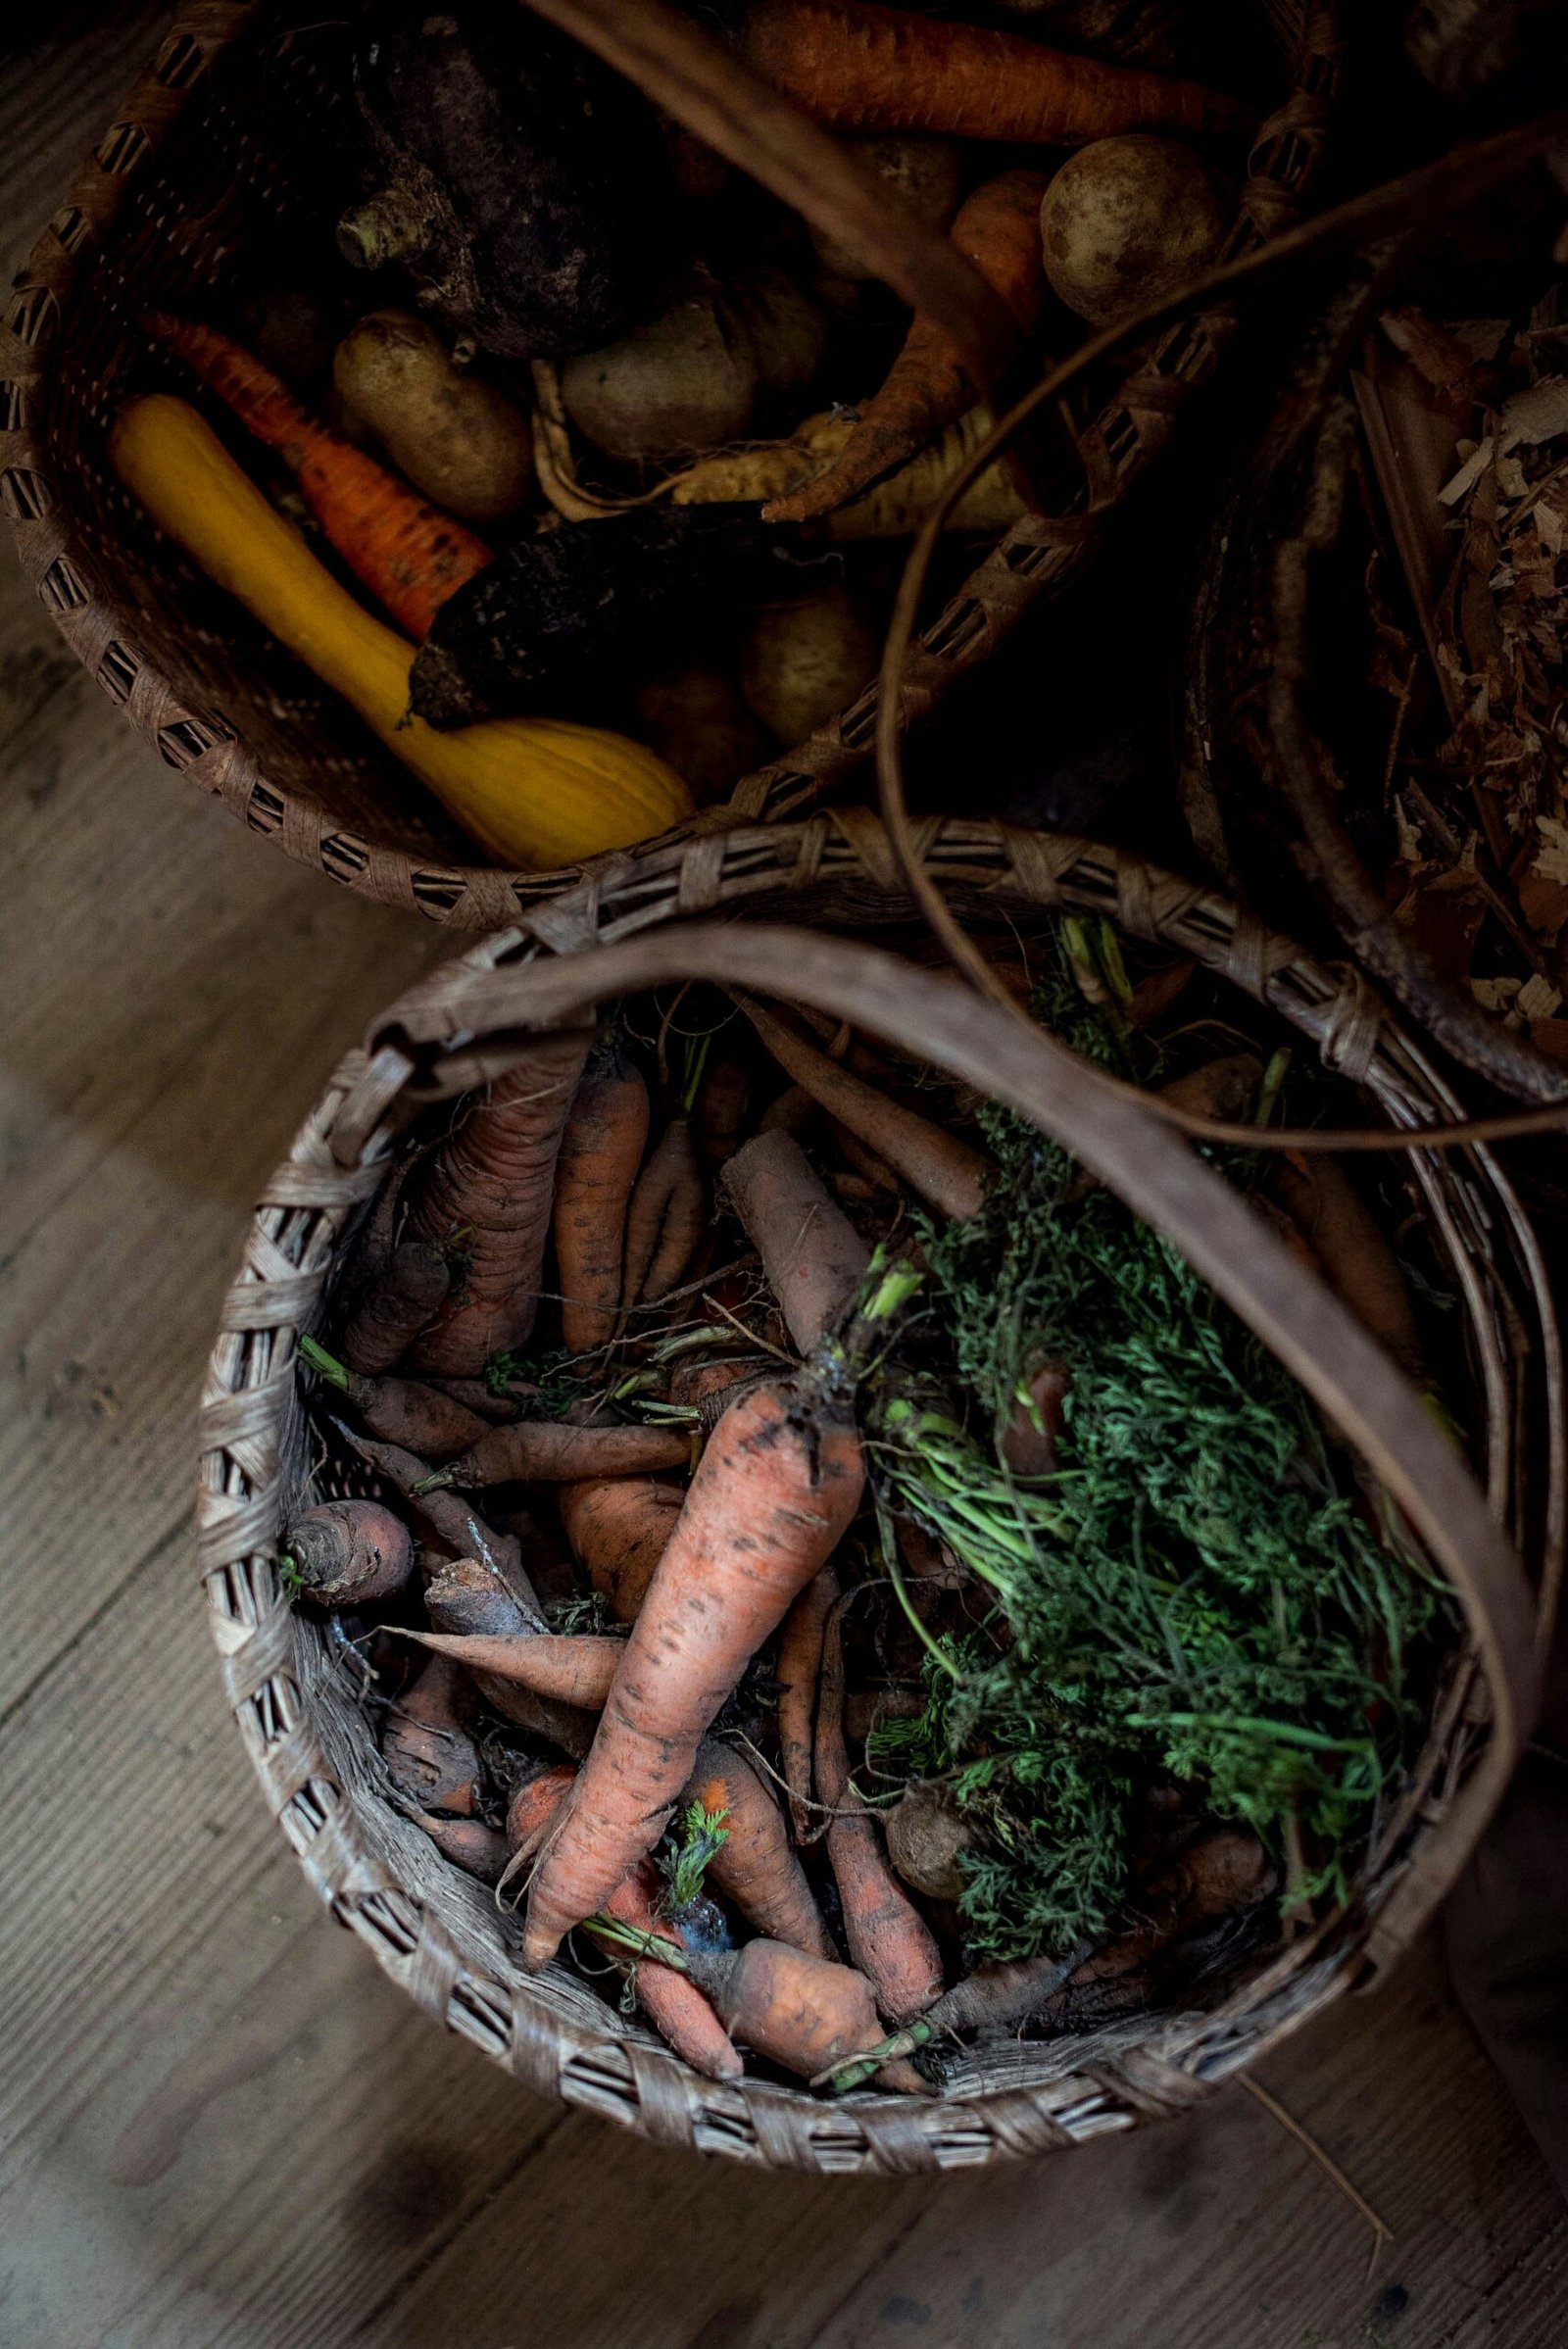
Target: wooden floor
x,y
218,2124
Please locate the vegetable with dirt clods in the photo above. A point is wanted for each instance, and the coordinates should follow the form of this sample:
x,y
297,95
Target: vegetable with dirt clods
x,y
402,1412
620,1528
1128,220
348,1553
399,1300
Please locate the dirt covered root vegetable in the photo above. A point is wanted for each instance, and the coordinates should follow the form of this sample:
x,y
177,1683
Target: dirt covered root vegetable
x,y
348,1553
804,2013
425,1744
572,1668
686,380
925,174
535,1806
862,68
802,661
452,1524
488,1190
398,1300
927,1837
451,431
618,1529
796,1672
468,1843
945,1172
777,1487
1218,1873
812,1257
666,1219
533,792
550,1452
465,1600
601,1153
755,1866
1356,1261
402,1411
928,387
1128,220
694,717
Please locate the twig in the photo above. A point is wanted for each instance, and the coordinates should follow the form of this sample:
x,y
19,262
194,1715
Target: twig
x,y
1381,2231
750,1336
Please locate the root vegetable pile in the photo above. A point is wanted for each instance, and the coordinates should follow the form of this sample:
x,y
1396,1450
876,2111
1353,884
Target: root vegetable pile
x,y
907,1606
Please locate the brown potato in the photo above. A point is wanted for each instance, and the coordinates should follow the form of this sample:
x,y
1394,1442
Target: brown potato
x,y
686,382
802,662
789,334
928,172
451,432
694,717
1127,220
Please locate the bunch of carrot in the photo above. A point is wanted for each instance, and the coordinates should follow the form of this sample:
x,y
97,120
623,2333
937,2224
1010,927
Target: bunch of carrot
x,y
626,1307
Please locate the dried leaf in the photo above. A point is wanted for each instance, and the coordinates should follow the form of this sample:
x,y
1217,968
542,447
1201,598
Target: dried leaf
x,y
1535,415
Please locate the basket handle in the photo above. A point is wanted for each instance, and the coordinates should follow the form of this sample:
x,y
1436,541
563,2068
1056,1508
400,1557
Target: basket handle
x,y
1355,1383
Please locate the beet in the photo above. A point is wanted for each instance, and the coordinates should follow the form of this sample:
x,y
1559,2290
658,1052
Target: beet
x,y
527,189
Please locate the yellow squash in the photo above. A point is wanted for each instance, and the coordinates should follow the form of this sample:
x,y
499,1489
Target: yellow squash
x,y
535,792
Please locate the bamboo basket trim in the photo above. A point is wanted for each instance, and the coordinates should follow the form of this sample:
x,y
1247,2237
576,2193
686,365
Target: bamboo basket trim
x,y
251,728
295,1699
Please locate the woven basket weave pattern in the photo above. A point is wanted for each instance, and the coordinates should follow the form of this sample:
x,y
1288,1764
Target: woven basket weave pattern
x,y
295,1693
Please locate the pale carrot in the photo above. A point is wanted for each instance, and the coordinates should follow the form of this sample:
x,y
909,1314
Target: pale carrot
x,y
805,2012
425,1744
402,1412
812,1257
572,1668
554,1451
665,1218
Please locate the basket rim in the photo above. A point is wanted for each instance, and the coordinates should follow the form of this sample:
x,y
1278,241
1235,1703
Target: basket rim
x,y
272,1673
1034,557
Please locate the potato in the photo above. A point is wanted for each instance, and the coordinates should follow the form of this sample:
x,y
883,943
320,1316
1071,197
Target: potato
x,y
457,438
694,717
788,334
802,662
928,172
1127,220
686,382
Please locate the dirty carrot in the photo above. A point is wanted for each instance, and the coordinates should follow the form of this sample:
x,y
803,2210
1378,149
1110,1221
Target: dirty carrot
x,y
777,1487
665,1221
425,1744
404,1411
468,1843
398,1301
572,1668
450,1521
486,1194
928,387
348,1553
943,1171
409,554
601,1153
535,1806
721,1106
618,1528
813,1257
863,67
802,2012
1029,1442
552,1451
796,1672
466,1600
1357,1262
755,1866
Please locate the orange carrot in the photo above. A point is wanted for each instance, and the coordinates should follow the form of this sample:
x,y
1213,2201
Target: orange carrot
x,y
813,1257
928,387
889,1939
572,1668
396,1302
1358,1264
665,1220
552,1451
409,555
486,1194
468,1843
805,2012
535,1806
861,68
402,1411
755,1866
450,1523
468,1601
799,1667
601,1153
349,1553
618,1529
945,1172
777,1485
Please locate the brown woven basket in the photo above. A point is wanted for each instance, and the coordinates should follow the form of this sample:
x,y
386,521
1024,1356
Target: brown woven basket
x,y
180,188
436,1931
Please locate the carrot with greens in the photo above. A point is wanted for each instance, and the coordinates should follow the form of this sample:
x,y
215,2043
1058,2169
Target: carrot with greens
x,y
348,1553
755,1866
601,1153
937,1165
552,1451
404,1411
618,1529
486,1194
889,1939
572,1668
855,66
796,1672
812,1257
777,1487
805,2012
928,387
409,554
399,1300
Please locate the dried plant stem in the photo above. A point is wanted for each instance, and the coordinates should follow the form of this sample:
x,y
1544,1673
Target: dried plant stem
x,y
1381,2231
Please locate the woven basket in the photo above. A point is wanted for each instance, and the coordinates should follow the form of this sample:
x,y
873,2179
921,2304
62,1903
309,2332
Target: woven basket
x,y
181,187
437,1932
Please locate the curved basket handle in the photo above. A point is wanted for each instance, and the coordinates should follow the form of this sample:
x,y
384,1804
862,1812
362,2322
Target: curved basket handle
x,y
1348,1374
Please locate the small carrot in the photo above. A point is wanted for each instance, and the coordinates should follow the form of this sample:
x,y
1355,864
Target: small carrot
x,y
777,1485
485,1193
813,1257
755,1866
485,1401
855,66
398,1301
425,1744
572,1668
944,1171
1225,1087
552,1451
1358,1264
468,1843
796,1672
409,555
534,1807
1029,1442
618,1528
349,1553
665,1221
889,1939
806,2014
790,1111
467,1602
928,387
601,1153
402,1411
453,1525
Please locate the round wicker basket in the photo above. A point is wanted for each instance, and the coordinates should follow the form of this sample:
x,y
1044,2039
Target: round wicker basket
x,y
436,1931
205,162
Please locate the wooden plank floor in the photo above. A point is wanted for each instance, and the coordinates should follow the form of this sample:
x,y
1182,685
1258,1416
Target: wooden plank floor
x,y
220,2127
